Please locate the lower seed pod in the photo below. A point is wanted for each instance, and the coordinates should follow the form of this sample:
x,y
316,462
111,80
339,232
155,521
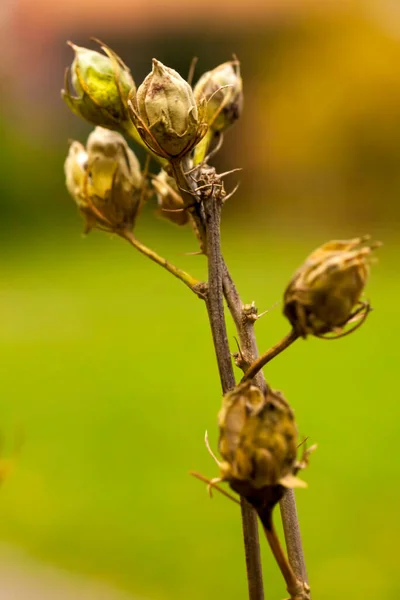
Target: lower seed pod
x,y
258,439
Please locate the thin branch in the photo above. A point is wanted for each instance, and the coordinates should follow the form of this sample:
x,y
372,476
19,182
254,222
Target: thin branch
x,y
294,585
198,287
292,533
215,301
260,362
244,322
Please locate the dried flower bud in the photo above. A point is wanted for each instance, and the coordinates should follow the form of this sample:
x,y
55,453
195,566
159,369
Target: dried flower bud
x,y
222,88
170,204
324,293
105,180
258,439
166,114
102,84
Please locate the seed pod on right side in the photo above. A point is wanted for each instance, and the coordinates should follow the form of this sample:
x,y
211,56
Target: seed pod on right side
x,y
324,293
222,88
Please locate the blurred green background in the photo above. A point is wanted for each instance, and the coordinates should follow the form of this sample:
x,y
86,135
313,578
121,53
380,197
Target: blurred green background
x,y
106,361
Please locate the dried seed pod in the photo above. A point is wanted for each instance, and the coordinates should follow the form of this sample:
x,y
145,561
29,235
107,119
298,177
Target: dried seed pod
x,y
166,114
324,293
258,442
258,438
105,180
222,88
102,83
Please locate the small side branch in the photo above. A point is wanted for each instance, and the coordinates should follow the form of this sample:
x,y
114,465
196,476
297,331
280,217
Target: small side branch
x,y
260,362
198,287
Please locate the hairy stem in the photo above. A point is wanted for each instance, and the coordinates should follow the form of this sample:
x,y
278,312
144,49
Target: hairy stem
x,y
262,360
195,285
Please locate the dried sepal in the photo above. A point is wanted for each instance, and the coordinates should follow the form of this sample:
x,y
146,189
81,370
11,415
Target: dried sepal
x,y
170,203
324,294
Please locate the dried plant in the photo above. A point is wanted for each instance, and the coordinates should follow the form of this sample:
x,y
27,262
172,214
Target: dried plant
x,y
182,128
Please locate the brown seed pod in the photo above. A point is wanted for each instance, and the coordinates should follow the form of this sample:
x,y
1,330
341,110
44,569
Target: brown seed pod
x,y
258,438
324,293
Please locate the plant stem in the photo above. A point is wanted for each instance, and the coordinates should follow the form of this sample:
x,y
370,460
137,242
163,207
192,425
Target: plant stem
x,y
215,307
292,533
262,360
195,285
294,585
215,302
244,321
208,225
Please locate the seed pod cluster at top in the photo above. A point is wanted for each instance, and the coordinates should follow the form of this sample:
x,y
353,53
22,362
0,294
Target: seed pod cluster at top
x,y
164,113
258,439
105,181
324,293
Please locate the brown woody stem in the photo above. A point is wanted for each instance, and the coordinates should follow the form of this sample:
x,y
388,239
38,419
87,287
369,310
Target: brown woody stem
x,y
292,533
248,346
215,307
207,219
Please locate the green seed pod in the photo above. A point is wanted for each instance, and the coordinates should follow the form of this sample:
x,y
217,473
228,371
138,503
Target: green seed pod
x,y
102,84
166,114
170,204
324,293
105,180
222,88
